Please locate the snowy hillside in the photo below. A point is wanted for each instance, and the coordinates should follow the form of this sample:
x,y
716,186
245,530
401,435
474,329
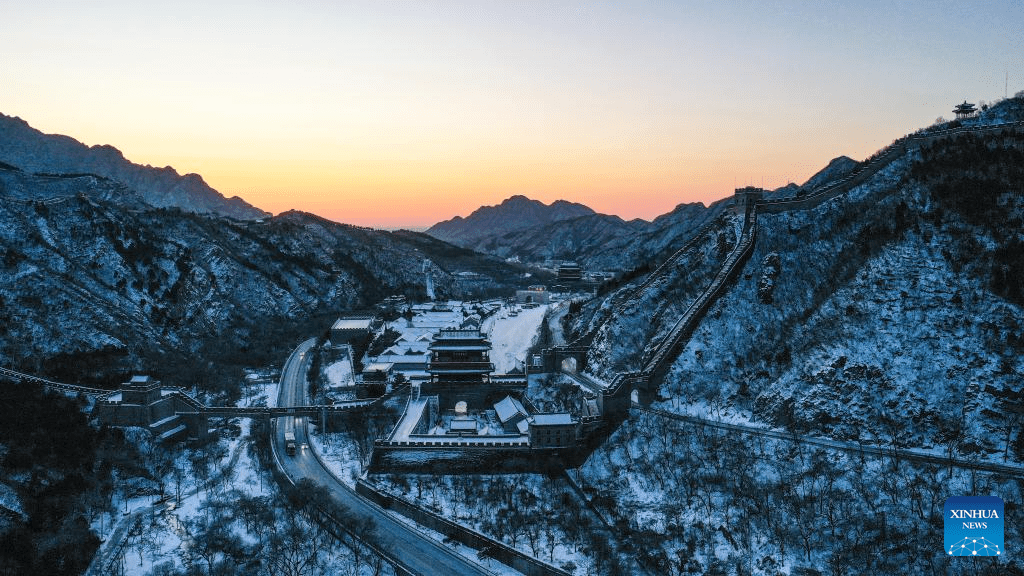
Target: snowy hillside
x,y
889,316
896,302
884,309
106,285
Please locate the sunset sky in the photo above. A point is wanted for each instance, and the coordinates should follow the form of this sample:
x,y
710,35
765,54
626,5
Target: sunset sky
x,y
396,114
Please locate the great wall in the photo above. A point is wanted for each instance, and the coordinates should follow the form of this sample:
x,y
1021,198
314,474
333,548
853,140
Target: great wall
x,y
750,202
170,411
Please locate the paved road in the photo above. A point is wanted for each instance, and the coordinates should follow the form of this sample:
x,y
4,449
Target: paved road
x,y
414,551
901,453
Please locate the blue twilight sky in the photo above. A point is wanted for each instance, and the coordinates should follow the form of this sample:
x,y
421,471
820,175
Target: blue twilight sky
x,y
405,113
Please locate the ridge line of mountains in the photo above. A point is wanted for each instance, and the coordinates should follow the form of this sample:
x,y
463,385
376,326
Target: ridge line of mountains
x,y
31,150
518,229
528,230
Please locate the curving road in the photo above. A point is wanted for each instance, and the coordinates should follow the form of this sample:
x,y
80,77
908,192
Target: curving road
x,y
409,549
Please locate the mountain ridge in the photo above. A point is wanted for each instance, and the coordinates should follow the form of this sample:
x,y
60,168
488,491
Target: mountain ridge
x,y
514,213
36,152
95,282
597,241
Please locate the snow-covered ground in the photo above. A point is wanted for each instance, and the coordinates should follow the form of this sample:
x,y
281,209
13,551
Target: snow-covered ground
x,y
512,336
871,332
339,453
169,535
729,500
147,534
339,373
156,531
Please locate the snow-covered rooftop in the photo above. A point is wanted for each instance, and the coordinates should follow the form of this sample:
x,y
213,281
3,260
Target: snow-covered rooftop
x,y
379,366
402,359
352,324
462,424
458,334
417,347
559,419
508,408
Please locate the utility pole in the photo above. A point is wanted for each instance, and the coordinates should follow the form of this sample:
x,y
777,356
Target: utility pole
x,y
323,421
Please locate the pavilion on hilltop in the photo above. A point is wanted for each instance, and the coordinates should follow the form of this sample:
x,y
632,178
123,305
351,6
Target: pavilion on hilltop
x,y
965,110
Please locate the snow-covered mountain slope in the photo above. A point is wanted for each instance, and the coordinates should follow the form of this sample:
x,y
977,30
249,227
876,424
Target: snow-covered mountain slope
x,y
35,152
894,309
83,276
835,170
625,336
890,315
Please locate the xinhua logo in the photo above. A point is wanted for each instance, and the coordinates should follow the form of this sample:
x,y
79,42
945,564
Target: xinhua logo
x,y
974,526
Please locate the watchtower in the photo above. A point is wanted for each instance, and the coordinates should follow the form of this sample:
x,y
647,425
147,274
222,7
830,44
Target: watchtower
x,y
459,365
141,390
746,196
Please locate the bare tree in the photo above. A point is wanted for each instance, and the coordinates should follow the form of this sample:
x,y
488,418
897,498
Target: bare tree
x,y
295,548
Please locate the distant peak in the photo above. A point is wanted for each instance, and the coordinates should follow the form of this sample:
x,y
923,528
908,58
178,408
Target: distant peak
x,y
516,212
835,169
520,199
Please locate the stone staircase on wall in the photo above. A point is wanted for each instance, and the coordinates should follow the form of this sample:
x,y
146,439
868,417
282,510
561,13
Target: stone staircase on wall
x,y
169,428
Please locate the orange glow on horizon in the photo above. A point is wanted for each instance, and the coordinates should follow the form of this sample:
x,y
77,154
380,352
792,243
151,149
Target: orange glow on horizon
x,y
402,192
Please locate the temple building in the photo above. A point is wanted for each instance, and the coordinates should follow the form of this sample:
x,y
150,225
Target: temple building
x,y
965,110
512,415
570,272
459,365
552,430
353,329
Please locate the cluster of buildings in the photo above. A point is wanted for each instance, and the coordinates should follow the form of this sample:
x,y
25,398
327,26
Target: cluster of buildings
x,y
458,399
571,275
473,402
444,353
